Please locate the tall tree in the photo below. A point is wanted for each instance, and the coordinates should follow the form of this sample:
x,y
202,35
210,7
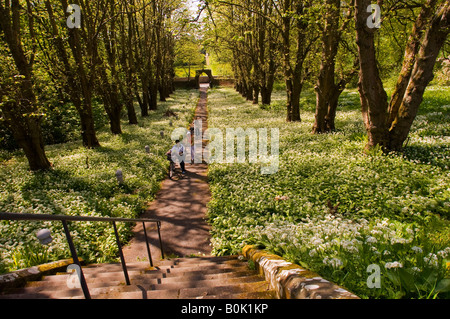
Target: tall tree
x,y
411,50
233,29
85,72
327,88
126,59
108,82
298,35
288,27
400,120
18,100
187,52
73,77
387,126
267,52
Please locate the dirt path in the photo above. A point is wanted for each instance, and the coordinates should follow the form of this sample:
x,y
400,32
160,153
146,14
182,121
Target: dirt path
x,y
181,207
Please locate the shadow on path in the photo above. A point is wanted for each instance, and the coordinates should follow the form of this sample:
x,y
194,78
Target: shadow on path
x,y
181,207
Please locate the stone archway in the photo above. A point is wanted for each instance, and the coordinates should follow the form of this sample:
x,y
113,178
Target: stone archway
x,y
208,73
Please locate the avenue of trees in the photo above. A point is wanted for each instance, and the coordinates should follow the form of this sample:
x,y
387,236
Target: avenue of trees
x,y
330,43
55,52
114,51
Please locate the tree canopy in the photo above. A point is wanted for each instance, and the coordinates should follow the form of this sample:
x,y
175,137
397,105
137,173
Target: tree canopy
x,y
56,53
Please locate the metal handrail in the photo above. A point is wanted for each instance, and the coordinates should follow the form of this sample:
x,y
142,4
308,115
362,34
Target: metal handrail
x,y
65,218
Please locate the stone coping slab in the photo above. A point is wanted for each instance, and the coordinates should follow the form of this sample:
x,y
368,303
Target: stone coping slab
x,y
19,278
290,281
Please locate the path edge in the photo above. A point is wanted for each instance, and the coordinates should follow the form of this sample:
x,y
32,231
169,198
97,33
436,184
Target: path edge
x,y
21,277
290,281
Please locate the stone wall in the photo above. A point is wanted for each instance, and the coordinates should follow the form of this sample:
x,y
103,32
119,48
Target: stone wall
x,y
290,281
19,278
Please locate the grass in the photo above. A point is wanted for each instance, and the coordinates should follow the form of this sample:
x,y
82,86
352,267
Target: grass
x,y
83,182
394,209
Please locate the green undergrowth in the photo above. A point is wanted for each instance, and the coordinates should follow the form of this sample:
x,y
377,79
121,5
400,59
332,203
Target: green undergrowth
x,y
83,182
393,211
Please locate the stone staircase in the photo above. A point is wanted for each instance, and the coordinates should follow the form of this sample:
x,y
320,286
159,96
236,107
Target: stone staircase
x,y
179,278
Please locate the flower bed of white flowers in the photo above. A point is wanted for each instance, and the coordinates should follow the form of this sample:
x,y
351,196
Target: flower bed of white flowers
x,y
83,182
394,209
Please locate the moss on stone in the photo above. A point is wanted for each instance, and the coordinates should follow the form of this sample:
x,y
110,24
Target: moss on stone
x,y
55,265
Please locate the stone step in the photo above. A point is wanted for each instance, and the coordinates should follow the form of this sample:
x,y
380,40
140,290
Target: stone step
x,y
197,293
102,275
175,294
167,278
199,277
218,290
196,283
25,293
60,281
168,265
187,289
206,269
194,260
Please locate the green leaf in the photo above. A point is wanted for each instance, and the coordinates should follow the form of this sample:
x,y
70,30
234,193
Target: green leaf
x,y
407,279
443,285
394,277
304,265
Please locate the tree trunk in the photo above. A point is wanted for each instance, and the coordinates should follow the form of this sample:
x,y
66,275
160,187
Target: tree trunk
x,y
33,146
267,88
266,95
113,111
153,95
289,88
409,58
320,125
85,86
421,76
131,113
21,114
145,99
139,99
114,122
390,130
88,126
373,96
27,132
255,93
293,75
167,87
249,92
111,103
286,50
127,61
238,86
297,73
327,98
162,91
296,92
332,107
127,96
325,87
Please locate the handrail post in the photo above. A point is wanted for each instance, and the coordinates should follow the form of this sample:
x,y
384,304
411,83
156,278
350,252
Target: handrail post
x,y
122,259
148,246
158,223
76,261
65,218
